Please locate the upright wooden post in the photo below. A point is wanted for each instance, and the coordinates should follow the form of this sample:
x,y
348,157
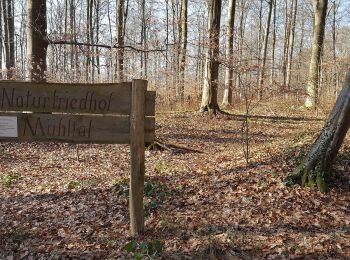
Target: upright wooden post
x,y
137,147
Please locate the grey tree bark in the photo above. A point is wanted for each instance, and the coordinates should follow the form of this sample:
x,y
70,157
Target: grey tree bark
x,y
210,86
227,98
266,39
314,170
320,12
272,74
119,74
287,24
1,46
291,42
143,40
9,37
183,49
36,40
89,39
334,38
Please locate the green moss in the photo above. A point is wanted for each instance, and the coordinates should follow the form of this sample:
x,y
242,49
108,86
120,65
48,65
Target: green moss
x,y
321,183
314,178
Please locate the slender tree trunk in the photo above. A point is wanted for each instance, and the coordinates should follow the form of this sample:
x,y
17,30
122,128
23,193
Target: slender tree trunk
x,y
9,32
209,92
272,75
266,39
91,35
97,30
1,41
183,49
109,61
120,41
286,42
314,171
64,69
320,11
301,47
167,50
260,29
143,40
242,24
335,69
73,65
88,63
227,98
175,30
291,43
36,40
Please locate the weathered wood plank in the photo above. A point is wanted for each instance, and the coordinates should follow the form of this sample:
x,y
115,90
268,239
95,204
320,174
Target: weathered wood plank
x,y
137,148
71,128
70,98
150,109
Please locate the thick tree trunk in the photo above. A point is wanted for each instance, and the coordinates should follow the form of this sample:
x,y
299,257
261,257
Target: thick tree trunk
x,y
227,99
36,40
314,170
210,86
320,12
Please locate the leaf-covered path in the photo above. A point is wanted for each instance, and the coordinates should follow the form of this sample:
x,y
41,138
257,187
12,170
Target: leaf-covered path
x,y
200,204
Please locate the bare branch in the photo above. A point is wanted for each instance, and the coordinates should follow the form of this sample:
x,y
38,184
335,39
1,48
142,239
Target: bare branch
x,y
104,46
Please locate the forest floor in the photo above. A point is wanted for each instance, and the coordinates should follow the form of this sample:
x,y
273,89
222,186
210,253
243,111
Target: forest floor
x,y
60,201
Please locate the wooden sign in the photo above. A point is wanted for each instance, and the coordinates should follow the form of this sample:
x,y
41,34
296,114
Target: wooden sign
x,y
69,128
84,113
70,98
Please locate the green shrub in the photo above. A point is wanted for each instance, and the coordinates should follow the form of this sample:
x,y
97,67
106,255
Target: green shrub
x,y
73,185
149,250
9,179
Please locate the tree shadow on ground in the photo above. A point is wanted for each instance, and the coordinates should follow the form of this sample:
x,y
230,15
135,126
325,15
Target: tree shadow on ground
x,y
39,221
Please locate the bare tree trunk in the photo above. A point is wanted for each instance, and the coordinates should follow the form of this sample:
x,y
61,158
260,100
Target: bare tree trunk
x,y
286,42
36,40
1,41
240,41
314,171
120,41
89,31
175,30
301,46
167,50
183,49
227,99
73,51
335,69
260,34
272,75
9,33
97,26
209,92
144,55
64,69
266,39
291,42
320,11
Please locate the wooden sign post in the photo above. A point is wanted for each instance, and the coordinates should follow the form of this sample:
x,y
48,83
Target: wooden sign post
x,y
84,113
